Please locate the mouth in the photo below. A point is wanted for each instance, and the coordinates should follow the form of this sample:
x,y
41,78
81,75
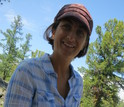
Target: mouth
x,y
68,44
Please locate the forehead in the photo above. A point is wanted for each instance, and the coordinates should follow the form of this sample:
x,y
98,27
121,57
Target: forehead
x,y
73,20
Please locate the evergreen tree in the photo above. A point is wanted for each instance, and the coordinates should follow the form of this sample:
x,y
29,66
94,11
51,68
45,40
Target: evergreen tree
x,y
12,53
105,56
26,47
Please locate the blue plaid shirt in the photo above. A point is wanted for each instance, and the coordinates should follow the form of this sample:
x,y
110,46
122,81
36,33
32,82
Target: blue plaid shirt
x,y
34,84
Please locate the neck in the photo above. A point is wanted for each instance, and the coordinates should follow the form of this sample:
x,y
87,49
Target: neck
x,y
61,65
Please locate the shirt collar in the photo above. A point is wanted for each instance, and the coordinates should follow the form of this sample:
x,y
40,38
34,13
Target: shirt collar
x,y
48,67
73,72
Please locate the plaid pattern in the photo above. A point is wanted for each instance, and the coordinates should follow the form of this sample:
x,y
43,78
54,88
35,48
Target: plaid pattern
x,y
34,84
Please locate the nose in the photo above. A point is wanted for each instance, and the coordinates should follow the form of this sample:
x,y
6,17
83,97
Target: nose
x,y
71,37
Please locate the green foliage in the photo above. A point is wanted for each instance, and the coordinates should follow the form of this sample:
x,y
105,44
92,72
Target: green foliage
x,y
87,99
26,46
105,56
13,51
6,66
37,53
120,104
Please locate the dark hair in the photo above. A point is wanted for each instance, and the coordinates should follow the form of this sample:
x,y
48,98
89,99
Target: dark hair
x,y
48,37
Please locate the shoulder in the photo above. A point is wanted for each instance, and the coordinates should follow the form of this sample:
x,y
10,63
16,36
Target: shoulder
x,y
79,77
30,67
32,63
77,83
76,73
29,62
28,71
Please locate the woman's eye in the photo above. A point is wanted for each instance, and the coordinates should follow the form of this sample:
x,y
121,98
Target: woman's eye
x,y
80,33
66,27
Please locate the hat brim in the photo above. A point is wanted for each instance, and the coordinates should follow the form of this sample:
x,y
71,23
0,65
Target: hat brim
x,y
77,16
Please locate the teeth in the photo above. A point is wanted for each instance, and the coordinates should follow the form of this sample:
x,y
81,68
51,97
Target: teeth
x,y
71,46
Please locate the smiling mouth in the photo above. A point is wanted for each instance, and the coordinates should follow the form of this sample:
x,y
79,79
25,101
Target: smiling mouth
x,y
68,45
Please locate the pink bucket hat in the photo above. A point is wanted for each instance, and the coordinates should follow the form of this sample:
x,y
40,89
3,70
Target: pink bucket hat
x,y
77,11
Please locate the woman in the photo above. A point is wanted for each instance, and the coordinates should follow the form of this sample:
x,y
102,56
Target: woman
x,y
51,81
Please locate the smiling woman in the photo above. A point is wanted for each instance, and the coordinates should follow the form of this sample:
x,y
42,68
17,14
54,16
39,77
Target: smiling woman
x,y
69,38
51,81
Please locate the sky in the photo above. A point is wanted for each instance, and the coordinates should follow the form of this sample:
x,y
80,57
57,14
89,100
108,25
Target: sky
x,y
37,15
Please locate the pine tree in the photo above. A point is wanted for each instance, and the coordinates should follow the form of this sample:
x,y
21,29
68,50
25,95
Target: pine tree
x,y
105,56
12,53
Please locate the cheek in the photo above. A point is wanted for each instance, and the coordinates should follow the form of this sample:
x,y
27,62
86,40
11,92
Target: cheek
x,y
82,44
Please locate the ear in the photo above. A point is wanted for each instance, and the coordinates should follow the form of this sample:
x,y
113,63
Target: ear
x,y
53,34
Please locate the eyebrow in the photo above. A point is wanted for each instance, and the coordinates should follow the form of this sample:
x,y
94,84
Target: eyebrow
x,y
81,25
68,20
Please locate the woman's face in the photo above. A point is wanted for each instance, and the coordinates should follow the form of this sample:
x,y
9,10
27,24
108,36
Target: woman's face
x,y
69,38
